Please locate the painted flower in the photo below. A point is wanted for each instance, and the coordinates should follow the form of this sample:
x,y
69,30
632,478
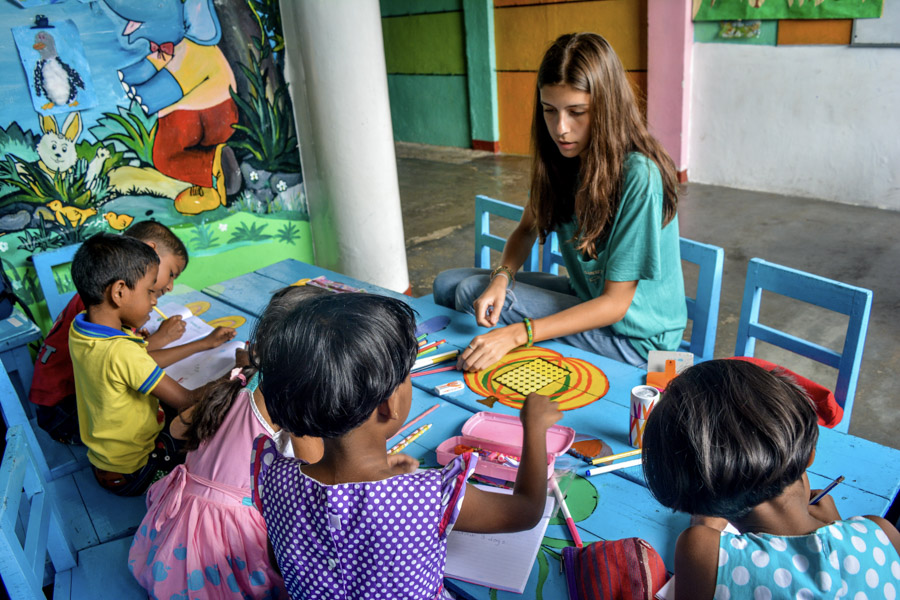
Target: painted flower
x,y
254,176
4,246
223,226
281,186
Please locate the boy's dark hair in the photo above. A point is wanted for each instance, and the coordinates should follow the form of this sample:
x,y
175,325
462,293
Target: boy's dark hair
x,y
329,363
106,258
725,436
210,412
154,231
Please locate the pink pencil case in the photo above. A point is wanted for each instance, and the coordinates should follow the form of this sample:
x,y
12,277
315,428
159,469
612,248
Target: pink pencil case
x,y
502,433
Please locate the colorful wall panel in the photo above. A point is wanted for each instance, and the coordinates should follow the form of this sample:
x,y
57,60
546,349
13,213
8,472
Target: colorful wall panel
x,y
214,156
424,46
830,31
522,35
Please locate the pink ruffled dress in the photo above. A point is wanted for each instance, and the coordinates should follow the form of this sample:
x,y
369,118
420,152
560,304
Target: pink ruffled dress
x,y
202,536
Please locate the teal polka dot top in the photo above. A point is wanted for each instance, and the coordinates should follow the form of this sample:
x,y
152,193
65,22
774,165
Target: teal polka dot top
x,y
851,559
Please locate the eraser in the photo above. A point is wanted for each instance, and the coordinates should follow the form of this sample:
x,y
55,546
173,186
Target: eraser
x,y
449,388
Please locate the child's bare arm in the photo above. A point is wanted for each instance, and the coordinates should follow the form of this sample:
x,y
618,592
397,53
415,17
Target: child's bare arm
x,y
169,356
169,330
889,530
173,394
696,562
485,512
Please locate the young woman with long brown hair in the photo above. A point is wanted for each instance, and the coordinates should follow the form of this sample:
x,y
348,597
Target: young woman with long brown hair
x,y
609,190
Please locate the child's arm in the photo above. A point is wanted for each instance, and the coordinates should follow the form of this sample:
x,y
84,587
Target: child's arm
x,y
696,563
889,530
175,395
484,512
169,330
169,356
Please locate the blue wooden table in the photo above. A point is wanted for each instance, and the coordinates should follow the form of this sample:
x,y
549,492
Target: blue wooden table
x,y
611,506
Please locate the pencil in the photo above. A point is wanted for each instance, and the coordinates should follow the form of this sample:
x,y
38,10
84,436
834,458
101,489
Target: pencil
x,y
431,346
432,360
612,457
429,372
609,468
409,439
414,420
156,308
827,489
565,511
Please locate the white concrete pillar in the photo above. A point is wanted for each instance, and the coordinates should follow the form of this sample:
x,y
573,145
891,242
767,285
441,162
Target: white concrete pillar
x,y
338,80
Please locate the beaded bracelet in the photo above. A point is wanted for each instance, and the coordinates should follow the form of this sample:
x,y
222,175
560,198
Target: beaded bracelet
x,y
530,331
506,271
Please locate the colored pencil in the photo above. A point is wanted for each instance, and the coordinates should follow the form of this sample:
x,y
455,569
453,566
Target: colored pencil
x,y
414,420
565,511
432,360
609,468
409,439
431,345
424,352
429,372
156,308
612,457
827,489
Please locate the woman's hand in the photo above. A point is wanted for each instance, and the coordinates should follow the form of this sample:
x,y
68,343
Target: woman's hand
x,y
489,304
486,349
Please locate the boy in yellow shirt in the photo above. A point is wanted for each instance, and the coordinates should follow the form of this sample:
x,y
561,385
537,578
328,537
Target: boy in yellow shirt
x,y
120,422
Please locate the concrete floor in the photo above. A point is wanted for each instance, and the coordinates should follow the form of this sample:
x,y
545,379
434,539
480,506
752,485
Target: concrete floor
x,y
852,244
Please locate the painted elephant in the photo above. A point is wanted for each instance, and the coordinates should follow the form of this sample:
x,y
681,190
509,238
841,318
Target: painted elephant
x,y
186,80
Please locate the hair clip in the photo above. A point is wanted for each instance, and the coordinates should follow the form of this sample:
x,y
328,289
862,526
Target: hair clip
x,y
236,373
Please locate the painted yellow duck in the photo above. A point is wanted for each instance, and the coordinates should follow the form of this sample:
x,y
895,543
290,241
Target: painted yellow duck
x,y
74,215
118,222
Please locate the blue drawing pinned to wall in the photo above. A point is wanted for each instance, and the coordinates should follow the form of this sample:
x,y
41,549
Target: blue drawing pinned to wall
x,y
55,66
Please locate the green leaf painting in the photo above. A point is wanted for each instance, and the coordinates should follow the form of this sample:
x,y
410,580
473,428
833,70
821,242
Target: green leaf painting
x,y
734,10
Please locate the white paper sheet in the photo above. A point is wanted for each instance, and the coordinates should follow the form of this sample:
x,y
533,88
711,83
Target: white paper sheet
x,y
499,560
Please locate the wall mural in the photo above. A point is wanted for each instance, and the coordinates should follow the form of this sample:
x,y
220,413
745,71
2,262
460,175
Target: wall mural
x,y
174,110
735,10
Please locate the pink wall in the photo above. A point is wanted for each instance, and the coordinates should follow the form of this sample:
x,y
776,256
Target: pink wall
x,y
670,36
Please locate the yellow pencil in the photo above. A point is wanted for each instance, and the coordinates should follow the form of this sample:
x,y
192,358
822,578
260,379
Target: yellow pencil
x,y
613,457
156,308
409,439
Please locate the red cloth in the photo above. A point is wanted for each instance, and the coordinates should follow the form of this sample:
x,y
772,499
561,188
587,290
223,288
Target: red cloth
x,y
53,378
828,410
628,569
186,141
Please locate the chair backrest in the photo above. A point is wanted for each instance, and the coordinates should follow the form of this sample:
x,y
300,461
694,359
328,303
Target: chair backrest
x,y
855,302
44,262
25,494
703,309
14,414
551,258
485,240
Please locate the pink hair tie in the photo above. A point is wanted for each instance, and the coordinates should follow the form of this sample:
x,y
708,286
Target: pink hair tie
x,y
237,374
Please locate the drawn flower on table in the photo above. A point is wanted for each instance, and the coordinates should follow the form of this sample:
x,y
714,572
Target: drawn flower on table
x,y
281,185
254,176
4,246
223,226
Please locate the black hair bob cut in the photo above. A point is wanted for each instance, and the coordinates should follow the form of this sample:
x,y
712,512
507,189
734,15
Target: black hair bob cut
x,y
726,436
333,359
105,258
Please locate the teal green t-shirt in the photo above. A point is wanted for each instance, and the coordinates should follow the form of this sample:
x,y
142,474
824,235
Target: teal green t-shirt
x,y
638,249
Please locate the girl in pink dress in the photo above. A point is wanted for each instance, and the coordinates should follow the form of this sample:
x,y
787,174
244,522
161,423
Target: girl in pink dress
x,y
201,535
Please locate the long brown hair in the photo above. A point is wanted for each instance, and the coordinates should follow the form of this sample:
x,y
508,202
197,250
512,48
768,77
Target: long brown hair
x,y
210,411
586,62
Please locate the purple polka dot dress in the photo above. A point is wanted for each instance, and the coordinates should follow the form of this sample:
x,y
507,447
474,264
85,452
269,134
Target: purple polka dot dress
x,y
375,539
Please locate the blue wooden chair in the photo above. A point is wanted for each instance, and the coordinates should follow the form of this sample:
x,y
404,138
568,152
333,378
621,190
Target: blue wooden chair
x,y
31,528
485,240
703,308
855,302
44,262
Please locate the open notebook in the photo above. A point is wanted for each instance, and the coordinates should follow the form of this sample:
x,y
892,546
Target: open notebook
x,y
200,368
501,561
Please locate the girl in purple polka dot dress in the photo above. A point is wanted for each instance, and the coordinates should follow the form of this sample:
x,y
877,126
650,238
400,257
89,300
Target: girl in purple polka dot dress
x,y
360,523
731,441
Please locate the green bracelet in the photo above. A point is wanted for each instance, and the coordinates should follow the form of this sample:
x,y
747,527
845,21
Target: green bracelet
x,y
529,331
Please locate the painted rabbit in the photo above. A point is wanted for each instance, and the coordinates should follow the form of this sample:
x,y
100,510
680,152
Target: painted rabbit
x,y
56,149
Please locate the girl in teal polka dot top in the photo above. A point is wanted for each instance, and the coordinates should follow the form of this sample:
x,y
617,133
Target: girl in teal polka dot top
x,y
731,442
